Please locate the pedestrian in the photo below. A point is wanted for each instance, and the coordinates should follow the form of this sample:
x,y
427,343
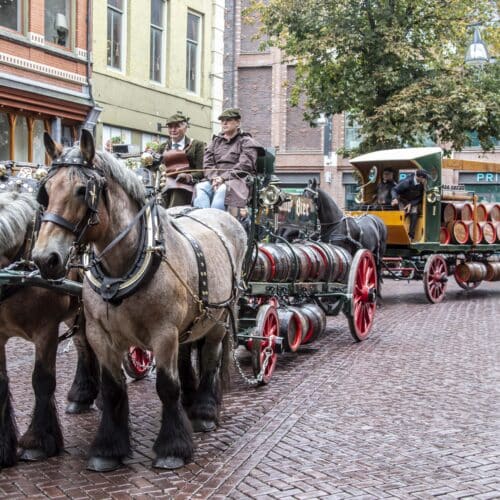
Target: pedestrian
x,y
228,162
408,195
183,160
244,218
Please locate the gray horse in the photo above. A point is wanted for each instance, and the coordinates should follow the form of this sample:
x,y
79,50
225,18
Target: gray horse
x,y
184,295
34,314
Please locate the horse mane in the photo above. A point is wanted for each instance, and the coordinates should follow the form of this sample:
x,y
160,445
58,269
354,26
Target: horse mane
x,y
125,177
16,213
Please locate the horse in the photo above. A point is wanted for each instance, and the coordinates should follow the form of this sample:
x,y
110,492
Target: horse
x,y
34,314
351,233
152,281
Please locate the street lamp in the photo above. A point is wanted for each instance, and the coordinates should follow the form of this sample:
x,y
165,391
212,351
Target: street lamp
x,y
477,53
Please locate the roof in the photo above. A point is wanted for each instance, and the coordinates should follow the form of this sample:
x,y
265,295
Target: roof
x,y
402,158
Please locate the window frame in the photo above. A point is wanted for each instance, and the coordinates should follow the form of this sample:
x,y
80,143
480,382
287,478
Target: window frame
x,y
19,20
354,128
123,54
162,29
69,19
198,44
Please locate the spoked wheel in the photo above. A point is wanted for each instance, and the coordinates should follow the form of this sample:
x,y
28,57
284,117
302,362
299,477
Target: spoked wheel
x,y
264,355
435,278
138,363
362,289
466,285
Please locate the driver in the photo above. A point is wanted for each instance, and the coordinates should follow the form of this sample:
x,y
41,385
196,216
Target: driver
x,y
408,196
383,196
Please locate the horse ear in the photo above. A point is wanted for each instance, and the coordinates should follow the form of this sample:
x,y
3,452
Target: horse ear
x,y
53,149
87,146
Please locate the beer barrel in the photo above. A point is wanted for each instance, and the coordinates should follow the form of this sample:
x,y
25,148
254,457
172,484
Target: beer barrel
x,y
261,270
343,260
488,232
492,271
291,324
293,261
317,322
476,235
280,261
496,225
457,211
444,236
471,271
304,262
488,211
459,232
324,260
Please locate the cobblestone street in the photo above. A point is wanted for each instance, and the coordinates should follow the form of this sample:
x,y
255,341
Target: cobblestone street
x,y
412,412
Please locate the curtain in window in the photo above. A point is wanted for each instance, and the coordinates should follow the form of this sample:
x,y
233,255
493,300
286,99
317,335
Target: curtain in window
x,y
4,137
38,146
21,142
10,14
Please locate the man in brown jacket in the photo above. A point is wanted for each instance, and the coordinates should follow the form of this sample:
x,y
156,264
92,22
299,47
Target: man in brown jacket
x,y
181,150
229,159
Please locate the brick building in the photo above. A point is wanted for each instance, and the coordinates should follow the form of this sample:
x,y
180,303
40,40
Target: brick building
x,y
256,81
44,74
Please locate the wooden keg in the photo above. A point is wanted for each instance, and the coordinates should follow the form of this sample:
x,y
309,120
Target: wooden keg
x,y
470,272
343,261
444,236
317,322
475,235
488,232
457,211
261,270
496,225
495,212
460,232
303,319
492,271
488,211
291,324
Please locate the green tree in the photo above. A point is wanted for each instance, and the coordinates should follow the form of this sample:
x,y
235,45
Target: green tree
x,y
396,66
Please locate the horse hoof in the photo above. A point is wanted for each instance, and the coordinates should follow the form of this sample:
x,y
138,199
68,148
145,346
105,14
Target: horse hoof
x,y
200,425
32,455
169,463
103,464
74,408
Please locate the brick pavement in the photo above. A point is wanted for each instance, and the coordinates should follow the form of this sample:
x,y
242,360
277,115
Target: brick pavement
x,y
412,412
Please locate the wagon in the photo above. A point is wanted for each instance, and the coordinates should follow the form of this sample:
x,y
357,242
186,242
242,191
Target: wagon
x,y
455,234
290,287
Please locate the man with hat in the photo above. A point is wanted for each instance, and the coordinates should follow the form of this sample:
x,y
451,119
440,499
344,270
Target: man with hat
x,y
183,159
383,196
229,159
408,195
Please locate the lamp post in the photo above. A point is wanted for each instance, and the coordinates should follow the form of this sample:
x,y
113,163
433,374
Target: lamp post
x,y
477,53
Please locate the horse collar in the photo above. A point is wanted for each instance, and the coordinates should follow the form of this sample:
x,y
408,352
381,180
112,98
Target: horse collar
x,y
114,290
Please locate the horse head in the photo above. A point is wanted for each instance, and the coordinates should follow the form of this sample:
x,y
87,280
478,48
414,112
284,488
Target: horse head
x,y
74,206
311,190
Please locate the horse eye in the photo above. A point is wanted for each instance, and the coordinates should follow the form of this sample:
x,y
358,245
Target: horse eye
x,y
80,191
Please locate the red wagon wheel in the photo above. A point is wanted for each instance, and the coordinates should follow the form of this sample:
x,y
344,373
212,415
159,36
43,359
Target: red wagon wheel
x,y
466,285
264,354
435,278
138,363
362,289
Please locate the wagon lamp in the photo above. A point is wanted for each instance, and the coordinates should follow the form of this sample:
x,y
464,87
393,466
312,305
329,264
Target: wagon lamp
x,y
477,53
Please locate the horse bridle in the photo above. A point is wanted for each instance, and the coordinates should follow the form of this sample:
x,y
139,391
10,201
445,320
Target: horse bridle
x,y
94,187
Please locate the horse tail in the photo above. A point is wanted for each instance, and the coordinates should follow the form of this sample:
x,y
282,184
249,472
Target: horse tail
x,y
227,347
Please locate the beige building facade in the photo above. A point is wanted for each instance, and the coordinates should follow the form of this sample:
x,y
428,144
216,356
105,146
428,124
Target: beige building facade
x,y
152,58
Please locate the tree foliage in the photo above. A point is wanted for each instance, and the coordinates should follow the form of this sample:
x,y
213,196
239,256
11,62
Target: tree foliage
x,y
396,66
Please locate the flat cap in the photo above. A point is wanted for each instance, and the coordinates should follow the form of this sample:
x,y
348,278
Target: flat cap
x,y
230,113
177,118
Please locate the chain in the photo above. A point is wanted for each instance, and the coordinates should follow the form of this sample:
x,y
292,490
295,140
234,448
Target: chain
x,y
248,380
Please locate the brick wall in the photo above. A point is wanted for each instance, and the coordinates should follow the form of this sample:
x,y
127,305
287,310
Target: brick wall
x,y
300,136
249,28
254,100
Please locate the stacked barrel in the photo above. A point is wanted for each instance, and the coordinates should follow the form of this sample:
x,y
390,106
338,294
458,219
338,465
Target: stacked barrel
x,y
473,272
459,225
308,261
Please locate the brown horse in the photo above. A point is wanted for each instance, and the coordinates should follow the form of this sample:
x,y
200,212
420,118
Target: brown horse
x,y
152,281
34,314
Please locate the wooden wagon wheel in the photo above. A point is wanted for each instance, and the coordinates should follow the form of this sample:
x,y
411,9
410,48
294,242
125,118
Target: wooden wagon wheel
x,y
435,278
362,290
264,355
138,363
466,285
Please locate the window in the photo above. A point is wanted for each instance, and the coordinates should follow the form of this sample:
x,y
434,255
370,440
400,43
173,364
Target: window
x,y
4,137
473,141
115,135
57,20
193,52
21,142
156,42
38,146
10,14
147,139
352,137
115,33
